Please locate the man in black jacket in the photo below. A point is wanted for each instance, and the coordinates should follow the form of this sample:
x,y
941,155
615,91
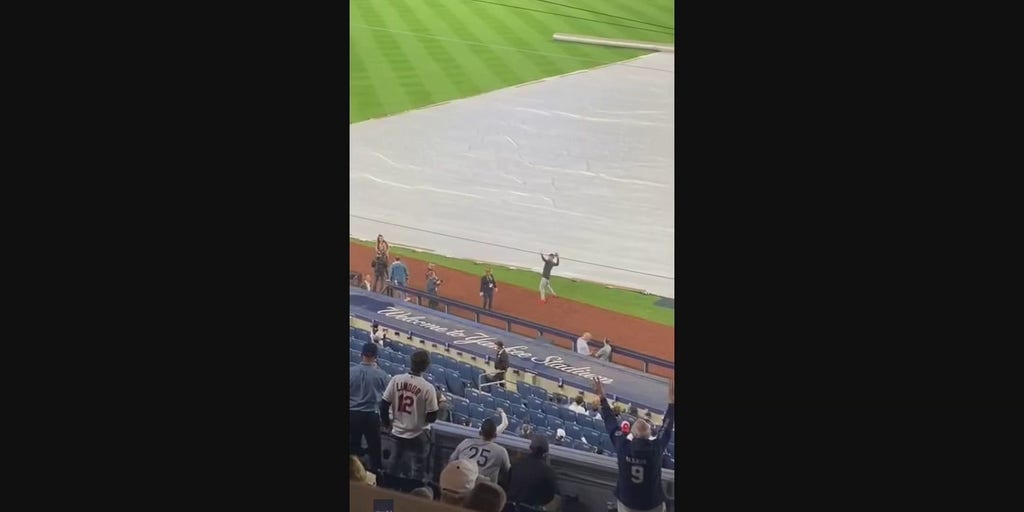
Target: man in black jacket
x,y
500,363
639,485
487,288
380,272
531,480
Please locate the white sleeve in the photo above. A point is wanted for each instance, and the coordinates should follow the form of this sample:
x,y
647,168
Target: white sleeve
x,y
504,422
431,397
389,392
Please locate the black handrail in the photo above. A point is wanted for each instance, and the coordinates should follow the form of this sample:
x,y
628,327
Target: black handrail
x,y
510,320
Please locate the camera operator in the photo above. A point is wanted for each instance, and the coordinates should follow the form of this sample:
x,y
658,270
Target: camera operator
x,y
433,283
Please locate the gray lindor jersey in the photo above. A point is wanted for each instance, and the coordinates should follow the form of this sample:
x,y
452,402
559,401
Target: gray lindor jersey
x,y
490,457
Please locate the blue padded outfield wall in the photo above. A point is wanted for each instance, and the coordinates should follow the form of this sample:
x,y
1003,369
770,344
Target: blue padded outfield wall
x,y
530,355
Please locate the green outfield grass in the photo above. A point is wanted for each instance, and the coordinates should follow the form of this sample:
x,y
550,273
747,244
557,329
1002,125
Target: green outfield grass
x,y
622,301
407,54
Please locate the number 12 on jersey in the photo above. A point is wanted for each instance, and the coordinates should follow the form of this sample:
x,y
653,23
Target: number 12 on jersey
x,y
405,401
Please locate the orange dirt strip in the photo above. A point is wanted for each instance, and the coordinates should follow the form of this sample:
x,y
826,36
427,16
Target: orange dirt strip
x,y
625,331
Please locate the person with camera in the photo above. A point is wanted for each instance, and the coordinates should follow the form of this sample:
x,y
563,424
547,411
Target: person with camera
x,y
433,283
380,272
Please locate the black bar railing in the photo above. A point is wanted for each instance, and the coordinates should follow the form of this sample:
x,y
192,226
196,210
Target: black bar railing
x,y
645,360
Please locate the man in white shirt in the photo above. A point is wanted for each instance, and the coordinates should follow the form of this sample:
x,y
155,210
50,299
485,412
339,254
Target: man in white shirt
x,y
583,345
408,405
577,405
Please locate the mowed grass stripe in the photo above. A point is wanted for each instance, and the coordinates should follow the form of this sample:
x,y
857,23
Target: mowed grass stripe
x,y
482,60
431,74
495,61
529,66
604,24
363,100
385,62
413,67
457,72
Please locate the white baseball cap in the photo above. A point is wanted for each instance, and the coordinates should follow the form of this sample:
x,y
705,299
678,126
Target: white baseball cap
x,y
459,476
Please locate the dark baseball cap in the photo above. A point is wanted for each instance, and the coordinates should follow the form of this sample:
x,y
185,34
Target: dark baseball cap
x,y
539,444
370,349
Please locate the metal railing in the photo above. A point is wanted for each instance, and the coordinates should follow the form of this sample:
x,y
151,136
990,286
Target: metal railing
x,y
646,361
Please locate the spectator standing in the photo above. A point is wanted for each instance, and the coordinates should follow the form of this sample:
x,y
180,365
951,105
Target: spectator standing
x,y
380,272
488,287
605,352
531,480
638,488
545,276
400,276
500,363
383,246
583,345
408,406
366,387
577,405
491,457
433,283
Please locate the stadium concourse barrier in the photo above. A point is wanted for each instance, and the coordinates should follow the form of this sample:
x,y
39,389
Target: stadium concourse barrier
x,y
534,362
565,339
588,476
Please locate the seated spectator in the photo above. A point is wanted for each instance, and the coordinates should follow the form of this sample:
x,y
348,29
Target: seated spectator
x,y
531,480
605,352
561,439
526,431
577,405
485,497
457,479
595,409
376,333
423,492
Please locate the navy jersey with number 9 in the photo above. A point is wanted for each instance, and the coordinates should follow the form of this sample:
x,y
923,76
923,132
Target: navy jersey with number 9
x,y
639,481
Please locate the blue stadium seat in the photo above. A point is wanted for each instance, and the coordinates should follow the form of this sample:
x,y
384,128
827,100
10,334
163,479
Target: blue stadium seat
x,y
435,359
360,334
513,426
461,407
540,393
597,424
593,436
543,431
606,443
573,430
580,445
354,356
351,364
475,423
477,411
498,392
473,396
355,344
459,418
465,370
584,420
672,449
550,409
430,379
450,362
514,398
491,413
525,390
566,415
538,418
487,401
503,404
519,412
554,423
455,383
534,404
